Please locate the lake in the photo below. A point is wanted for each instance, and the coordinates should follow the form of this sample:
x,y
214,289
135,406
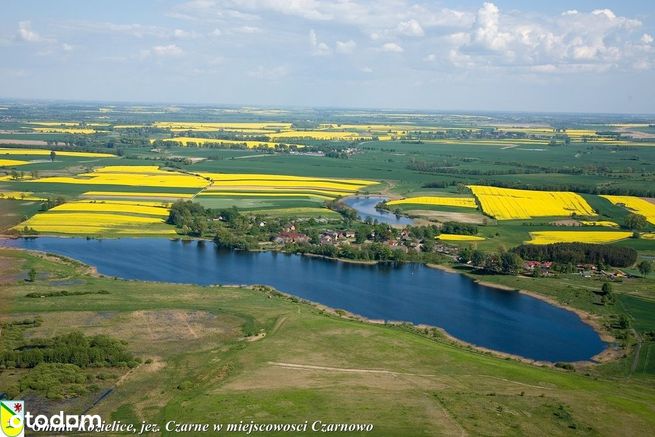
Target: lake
x,y
365,207
505,321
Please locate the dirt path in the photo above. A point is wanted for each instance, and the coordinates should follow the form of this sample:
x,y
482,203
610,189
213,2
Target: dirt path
x,y
344,369
191,331
278,324
24,142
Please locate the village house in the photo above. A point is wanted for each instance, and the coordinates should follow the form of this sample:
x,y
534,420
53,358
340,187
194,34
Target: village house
x,y
543,265
291,237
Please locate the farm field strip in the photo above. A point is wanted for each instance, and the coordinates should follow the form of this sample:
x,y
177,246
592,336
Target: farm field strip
x,y
511,204
98,217
272,126
318,135
112,206
219,190
250,182
202,141
141,195
550,237
464,202
279,190
45,152
12,162
457,237
635,204
65,130
146,178
252,194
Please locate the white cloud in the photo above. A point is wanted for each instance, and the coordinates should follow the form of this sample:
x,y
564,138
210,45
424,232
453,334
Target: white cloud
x,y
571,42
410,28
646,38
606,12
167,50
391,47
67,47
26,34
216,32
318,48
248,29
346,47
184,34
487,30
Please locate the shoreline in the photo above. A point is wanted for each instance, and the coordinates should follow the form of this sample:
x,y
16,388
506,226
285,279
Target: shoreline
x,y
606,355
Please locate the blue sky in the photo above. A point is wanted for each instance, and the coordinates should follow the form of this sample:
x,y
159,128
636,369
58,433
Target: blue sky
x,y
563,56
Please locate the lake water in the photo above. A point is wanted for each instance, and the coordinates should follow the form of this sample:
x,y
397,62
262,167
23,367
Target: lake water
x,y
501,320
365,207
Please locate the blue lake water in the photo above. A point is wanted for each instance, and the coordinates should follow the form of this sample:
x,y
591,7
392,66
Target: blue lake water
x,y
505,321
365,207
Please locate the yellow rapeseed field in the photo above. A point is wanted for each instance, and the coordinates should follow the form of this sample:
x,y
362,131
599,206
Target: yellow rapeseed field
x,y
146,177
144,169
318,135
44,152
509,204
12,162
140,208
102,217
457,237
463,202
636,205
549,237
247,181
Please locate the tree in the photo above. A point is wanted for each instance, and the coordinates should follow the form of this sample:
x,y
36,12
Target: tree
x,y
635,221
31,275
607,288
492,263
645,267
53,155
477,258
510,263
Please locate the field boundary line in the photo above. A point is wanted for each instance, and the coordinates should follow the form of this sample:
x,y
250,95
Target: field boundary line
x,y
344,369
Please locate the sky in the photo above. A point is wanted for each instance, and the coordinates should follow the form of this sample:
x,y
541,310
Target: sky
x,y
504,55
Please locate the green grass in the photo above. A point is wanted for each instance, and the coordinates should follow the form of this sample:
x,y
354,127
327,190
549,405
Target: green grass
x,y
204,371
13,212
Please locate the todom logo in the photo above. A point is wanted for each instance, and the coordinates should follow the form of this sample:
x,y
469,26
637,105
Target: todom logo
x,y
12,418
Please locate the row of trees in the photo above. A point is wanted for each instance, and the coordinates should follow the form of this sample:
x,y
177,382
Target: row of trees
x,y
579,253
